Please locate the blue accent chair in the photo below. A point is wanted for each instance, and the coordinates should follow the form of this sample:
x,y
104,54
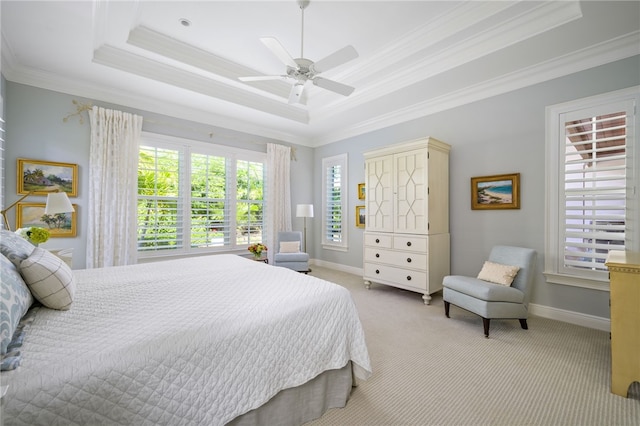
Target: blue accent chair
x,y
494,301
296,261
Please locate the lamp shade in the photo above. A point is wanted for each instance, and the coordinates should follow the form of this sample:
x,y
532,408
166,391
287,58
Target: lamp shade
x,y
304,210
58,202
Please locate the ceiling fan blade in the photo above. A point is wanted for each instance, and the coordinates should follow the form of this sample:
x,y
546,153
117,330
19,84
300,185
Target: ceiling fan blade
x,y
334,86
263,77
274,45
296,93
337,58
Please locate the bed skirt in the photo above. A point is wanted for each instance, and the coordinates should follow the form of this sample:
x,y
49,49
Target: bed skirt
x,y
303,403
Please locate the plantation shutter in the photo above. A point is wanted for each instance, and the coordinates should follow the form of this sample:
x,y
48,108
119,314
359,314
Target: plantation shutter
x,y
595,187
210,220
160,210
334,185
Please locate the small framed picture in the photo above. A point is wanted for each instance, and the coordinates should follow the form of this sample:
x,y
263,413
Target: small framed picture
x,y
361,213
43,177
361,191
59,225
495,192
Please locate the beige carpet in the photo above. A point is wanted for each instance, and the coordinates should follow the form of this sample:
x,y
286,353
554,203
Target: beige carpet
x,y
432,370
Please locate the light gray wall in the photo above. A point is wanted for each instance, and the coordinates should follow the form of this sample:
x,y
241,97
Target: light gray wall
x,y
36,130
503,134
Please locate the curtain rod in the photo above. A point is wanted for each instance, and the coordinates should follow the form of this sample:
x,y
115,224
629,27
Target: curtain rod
x,y
81,107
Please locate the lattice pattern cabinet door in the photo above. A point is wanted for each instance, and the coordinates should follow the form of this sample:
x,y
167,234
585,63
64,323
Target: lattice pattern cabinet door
x,y
379,193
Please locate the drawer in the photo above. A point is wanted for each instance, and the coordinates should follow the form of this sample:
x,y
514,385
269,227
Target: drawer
x,y
410,242
378,240
396,258
391,274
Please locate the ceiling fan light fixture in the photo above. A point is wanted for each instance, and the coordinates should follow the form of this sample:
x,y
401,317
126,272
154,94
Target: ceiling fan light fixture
x,y
302,70
296,92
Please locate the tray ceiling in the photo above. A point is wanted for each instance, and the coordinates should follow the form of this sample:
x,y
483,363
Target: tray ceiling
x,y
415,57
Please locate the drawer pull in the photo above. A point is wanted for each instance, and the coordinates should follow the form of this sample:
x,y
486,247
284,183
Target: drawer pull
x,y
377,254
377,240
408,277
377,271
408,243
408,260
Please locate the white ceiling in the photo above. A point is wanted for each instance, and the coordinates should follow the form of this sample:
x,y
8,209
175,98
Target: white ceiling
x,y
415,57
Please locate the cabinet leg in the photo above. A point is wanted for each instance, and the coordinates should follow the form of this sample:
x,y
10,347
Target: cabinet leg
x,y
427,299
367,284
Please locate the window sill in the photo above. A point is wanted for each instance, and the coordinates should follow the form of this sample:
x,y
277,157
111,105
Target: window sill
x,y
582,282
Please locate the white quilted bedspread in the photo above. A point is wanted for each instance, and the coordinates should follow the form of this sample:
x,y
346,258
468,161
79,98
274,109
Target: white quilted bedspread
x,y
190,341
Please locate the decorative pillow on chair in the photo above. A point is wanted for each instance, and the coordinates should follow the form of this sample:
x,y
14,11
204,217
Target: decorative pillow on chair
x,y
289,246
49,278
497,273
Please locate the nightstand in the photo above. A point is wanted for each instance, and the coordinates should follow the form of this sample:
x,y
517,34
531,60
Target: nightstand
x,y
65,254
624,272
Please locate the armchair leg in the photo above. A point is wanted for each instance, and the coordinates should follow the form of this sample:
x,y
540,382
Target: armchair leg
x,y
523,323
446,308
485,323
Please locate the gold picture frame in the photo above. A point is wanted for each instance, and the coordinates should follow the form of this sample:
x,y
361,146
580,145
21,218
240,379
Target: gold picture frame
x,y
43,177
361,191
495,192
60,225
361,213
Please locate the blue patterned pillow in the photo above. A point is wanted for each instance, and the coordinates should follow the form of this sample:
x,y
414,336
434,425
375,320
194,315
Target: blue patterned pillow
x,y
14,303
14,247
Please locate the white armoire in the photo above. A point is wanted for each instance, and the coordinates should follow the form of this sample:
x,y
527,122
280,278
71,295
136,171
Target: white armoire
x,y
406,238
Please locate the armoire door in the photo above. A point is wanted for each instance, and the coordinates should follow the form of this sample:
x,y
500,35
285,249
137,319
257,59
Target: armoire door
x,y
411,186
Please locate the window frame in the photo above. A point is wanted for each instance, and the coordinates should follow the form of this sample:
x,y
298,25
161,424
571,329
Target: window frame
x,y
554,171
187,147
341,160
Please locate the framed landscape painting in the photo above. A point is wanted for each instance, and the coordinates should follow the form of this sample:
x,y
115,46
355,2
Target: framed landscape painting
x,y
59,225
361,191
43,177
495,192
361,213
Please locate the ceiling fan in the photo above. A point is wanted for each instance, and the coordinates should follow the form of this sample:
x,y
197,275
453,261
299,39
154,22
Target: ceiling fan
x,y
301,70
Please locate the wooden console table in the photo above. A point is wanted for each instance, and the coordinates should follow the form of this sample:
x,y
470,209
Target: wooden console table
x,y
624,273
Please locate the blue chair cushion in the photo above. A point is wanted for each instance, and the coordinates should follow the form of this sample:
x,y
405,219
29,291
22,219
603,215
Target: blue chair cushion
x,y
483,290
291,257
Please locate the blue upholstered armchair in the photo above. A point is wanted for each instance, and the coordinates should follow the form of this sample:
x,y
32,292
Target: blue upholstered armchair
x,y
289,254
491,300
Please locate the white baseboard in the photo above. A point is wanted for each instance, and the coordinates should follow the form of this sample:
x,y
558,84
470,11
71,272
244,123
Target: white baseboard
x,y
338,267
577,318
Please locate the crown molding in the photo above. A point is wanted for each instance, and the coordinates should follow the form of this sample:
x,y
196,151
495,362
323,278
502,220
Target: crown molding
x,y
153,41
613,50
138,65
504,34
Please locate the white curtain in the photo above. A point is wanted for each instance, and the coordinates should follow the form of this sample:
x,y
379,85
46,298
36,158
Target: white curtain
x,y
278,212
113,177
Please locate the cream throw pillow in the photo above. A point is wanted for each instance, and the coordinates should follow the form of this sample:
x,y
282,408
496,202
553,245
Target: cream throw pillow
x,y
49,278
497,273
289,246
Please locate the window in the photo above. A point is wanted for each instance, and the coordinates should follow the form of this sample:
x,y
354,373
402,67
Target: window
x,y
194,196
592,206
334,202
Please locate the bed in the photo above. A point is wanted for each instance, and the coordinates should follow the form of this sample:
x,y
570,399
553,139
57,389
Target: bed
x,y
209,340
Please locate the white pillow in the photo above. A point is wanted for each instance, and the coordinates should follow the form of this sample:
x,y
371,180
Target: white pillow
x,y
49,278
497,273
289,246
